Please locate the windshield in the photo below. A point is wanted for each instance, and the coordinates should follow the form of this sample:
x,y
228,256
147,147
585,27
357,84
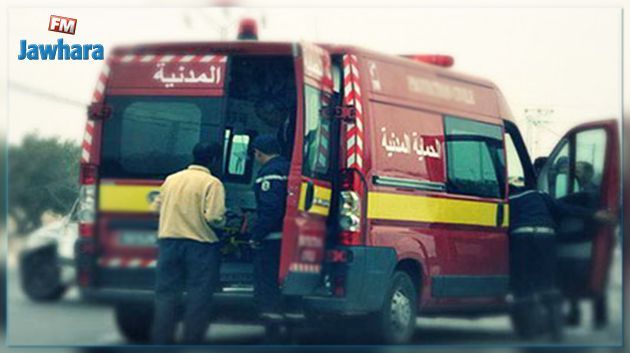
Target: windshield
x,y
150,137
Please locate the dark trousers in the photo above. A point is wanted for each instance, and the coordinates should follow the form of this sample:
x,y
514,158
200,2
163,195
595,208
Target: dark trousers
x,y
533,263
190,266
267,295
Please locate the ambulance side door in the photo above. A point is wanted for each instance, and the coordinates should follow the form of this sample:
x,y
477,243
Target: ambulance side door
x,y
309,185
583,170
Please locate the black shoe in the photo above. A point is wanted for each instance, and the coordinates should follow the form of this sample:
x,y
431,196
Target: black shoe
x,y
574,317
600,313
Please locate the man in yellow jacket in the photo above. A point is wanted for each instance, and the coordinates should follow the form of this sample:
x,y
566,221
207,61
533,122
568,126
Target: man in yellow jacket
x,y
191,202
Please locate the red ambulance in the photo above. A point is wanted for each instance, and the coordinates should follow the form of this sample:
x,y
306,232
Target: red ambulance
x,y
397,200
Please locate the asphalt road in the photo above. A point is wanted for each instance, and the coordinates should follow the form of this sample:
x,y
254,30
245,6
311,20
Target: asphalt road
x,y
72,322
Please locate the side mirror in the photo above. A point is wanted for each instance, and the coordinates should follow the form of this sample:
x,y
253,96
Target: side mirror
x,y
539,163
99,111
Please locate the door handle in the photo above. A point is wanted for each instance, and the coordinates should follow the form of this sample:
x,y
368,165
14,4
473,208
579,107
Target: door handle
x,y
500,213
309,196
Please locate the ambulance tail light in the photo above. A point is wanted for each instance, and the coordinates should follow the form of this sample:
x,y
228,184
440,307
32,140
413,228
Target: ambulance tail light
x,y
86,212
350,210
88,174
438,60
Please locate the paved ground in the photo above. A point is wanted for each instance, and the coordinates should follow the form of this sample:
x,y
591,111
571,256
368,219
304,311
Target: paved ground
x,y
72,322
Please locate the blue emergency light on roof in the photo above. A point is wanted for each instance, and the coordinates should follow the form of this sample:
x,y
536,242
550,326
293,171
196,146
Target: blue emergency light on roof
x,y
248,29
435,59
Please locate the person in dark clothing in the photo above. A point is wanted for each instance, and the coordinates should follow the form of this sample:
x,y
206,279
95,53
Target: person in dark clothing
x,y
533,219
584,174
271,190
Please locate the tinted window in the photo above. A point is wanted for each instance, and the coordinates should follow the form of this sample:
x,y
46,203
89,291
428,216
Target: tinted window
x,y
237,159
554,178
475,157
590,154
151,137
516,174
316,135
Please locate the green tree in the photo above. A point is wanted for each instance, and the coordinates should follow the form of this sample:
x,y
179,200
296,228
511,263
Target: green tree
x,y
43,176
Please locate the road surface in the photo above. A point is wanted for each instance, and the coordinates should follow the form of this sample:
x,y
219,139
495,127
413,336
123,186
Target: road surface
x,y
72,322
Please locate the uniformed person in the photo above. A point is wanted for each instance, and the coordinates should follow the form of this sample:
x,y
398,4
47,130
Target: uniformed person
x,y
584,175
533,216
270,188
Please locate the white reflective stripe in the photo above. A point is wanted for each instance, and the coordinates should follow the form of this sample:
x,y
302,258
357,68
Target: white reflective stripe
x,y
359,161
577,250
187,58
533,230
87,138
167,58
274,236
134,262
348,86
358,106
206,58
147,58
523,194
271,177
127,58
100,86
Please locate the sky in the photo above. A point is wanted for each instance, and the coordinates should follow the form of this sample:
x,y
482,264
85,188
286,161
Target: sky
x,y
561,65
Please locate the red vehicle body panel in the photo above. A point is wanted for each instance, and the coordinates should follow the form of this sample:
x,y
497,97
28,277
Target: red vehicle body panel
x,y
399,97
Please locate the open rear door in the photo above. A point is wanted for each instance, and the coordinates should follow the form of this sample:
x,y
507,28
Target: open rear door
x,y
309,184
583,170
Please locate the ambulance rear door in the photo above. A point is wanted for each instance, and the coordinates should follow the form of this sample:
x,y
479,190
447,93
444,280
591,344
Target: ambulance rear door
x,y
583,170
309,184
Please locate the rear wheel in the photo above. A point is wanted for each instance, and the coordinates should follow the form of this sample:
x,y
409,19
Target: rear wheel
x,y
40,276
134,321
395,323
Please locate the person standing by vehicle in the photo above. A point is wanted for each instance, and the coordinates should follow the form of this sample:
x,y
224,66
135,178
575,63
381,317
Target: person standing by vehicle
x,y
271,190
584,175
533,257
190,203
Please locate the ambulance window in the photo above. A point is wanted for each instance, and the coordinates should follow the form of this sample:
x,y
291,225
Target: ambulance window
x,y
554,177
153,136
238,154
337,73
590,154
516,174
157,132
316,135
475,158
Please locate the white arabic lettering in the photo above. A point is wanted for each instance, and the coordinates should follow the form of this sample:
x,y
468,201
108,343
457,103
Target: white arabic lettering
x,y
394,144
192,77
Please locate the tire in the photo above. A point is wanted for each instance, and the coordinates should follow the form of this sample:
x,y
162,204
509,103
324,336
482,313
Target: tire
x,y
134,321
40,276
396,321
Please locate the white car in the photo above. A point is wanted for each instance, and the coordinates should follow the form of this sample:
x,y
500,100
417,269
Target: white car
x,y
47,260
